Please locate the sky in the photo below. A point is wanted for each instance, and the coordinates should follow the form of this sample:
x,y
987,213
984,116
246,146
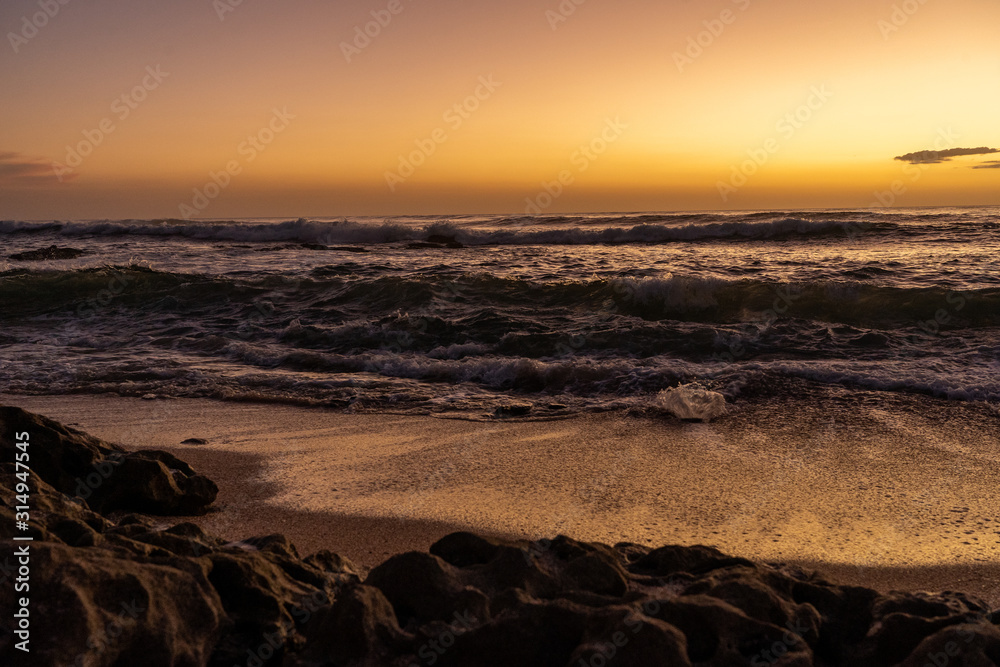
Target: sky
x,y
301,108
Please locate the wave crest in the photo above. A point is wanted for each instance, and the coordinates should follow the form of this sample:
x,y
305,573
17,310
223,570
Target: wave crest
x,y
352,232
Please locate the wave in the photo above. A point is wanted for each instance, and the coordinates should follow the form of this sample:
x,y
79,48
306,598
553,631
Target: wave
x,y
531,231
384,379
323,297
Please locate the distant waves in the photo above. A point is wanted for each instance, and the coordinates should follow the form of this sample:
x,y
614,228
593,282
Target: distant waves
x,y
531,232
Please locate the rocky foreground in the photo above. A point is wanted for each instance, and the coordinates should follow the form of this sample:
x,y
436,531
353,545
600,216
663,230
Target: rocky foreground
x,y
112,583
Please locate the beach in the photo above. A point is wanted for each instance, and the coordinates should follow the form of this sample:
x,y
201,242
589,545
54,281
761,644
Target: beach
x,y
883,491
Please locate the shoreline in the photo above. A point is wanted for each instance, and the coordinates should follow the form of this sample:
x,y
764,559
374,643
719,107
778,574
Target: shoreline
x,y
773,482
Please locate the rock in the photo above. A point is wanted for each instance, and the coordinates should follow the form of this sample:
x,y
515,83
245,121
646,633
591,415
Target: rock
x,y
153,482
691,402
539,634
195,441
360,628
903,621
423,588
91,607
465,549
50,253
974,643
103,474
669,560
108,593
597,572
623,636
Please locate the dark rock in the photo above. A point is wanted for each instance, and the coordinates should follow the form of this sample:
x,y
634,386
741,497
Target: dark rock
x,y
154,483
360,628
74,533
130,519
91,607
423,588
897,635
327,561
598,573
254,590
926,605
973,643
52,252
622,636
666,561
195,441
104,475
465,549
107,593
720,634
537,635
278,544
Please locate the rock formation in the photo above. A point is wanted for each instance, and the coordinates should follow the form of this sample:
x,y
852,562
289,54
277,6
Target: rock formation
x,y
112,587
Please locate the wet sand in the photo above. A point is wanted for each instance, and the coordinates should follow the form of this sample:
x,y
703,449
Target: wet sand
x,y
880,490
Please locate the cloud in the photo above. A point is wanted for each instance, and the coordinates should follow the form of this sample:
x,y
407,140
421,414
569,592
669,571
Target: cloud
x,y
989,164
937,157
20,170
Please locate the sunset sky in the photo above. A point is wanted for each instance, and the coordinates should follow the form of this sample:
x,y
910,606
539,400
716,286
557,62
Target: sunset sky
x,y
671,124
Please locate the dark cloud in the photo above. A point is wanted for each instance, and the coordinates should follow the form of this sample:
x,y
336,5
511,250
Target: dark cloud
x,y
937,157
18,169
989,164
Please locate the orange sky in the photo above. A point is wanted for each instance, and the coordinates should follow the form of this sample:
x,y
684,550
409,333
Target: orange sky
x,y
612,99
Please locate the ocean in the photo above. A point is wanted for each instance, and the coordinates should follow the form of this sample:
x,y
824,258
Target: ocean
x,y
492,315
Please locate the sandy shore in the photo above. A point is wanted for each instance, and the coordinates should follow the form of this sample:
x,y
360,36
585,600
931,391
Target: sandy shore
x,y
877,490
